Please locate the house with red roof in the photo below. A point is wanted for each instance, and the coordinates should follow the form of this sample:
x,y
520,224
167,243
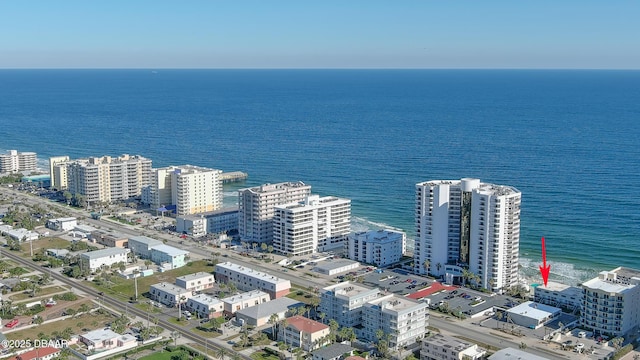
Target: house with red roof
x,y
304,333
44,353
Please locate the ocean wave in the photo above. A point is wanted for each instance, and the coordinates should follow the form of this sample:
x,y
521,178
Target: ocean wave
x,y
565,273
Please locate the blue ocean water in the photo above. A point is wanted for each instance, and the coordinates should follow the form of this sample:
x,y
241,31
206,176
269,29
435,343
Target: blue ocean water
x,y
567,139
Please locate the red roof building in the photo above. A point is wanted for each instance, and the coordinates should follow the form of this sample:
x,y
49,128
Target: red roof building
x,y
305,333
44,353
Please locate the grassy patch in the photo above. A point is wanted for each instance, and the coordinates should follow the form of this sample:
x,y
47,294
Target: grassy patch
x,y
164,355
42,293
262,355
300,296
44,243
90,321
125,288
207,334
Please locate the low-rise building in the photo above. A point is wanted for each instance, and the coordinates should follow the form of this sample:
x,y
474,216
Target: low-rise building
x,y
304,333
105,339
532,315
248,279
559,295
58,253
205,306
378,247
23,234
443,347
196,282
109,238
39,353
404,320
612,302
168,256
62,224
343,302
259,315
105,257
169,294
334,267
235,303
213,222
141,246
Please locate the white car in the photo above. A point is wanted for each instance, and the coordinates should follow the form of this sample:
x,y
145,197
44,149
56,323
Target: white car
x,y
582,334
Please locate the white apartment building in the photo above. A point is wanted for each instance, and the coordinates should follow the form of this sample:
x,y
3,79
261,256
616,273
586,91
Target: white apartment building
x,y
316,224
559,295
403,320
141,245
205,306
196,282
248,279
612,302
378,247
14,161
58,173
468,224
213,222
105,257
444,347
169,294
105,178
235,303
343,302
192,189
62,224
256,208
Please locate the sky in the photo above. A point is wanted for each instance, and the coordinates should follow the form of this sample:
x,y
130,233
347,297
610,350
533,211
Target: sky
x,y
572,34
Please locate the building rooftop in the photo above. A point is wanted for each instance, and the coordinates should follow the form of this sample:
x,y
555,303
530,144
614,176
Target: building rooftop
x,y
39,353
333,351
227,210
146,240
349,289
553,286
205,299
194,276
268,308
63,219
266,188
606,286
448,342
306,325
250,272
104,253
534,310
395,302
334,264
170,288
169,250
379,235
514,354
244,296
100,335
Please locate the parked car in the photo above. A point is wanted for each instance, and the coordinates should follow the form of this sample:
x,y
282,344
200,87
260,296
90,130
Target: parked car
x,y
12,323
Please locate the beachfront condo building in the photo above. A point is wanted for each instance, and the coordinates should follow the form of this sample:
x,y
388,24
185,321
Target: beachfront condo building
x,y
257,207
14,162
191,189
315,224
467,227
377,247
105,179
58,173
247,279
401,319
611,304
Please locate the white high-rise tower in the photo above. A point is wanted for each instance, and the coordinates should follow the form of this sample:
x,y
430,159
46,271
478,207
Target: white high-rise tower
x,y
466,224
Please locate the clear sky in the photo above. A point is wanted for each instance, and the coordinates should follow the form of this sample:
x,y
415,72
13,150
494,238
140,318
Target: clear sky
x,y
320,34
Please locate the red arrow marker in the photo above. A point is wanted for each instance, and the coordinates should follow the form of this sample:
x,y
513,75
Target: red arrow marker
x,y
544,268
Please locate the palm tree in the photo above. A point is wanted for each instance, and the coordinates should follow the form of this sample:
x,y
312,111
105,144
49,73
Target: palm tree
x,y
426,266
221,353
499,317
438,266
322,316
333,328
273,320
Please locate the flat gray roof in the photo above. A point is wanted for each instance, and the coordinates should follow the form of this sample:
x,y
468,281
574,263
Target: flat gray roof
x,y
104,252
271,307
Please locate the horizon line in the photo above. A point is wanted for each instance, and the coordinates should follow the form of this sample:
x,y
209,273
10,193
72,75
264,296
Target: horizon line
x,y
322,68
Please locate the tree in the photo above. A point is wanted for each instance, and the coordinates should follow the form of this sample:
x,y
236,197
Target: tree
x,y
426,266
264,247
322,316
273,320
221,353
148,263
67,196
499,317
522,345
438,266
333,328
38,320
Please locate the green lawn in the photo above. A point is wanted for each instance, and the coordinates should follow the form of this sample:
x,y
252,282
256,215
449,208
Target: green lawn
x,y
164,355
90,321
262,355
44,243
42,293
124,288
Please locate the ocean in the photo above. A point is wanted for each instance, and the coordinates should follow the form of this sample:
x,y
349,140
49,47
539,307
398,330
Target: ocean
x,y
567,139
